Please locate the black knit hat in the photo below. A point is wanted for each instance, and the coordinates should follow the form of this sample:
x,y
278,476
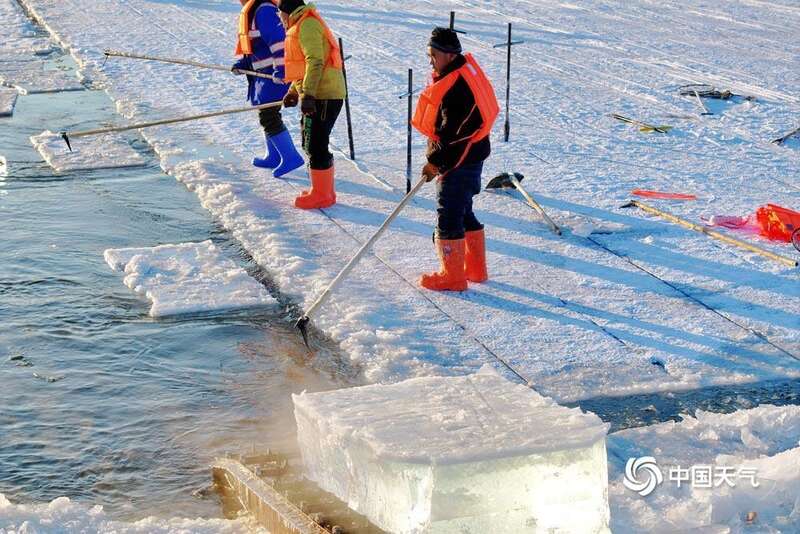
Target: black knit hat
x,y
288,6
444,39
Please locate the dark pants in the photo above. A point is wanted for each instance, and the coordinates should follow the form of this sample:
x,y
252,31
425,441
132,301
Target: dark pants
x,y
454,195
270,120
316,131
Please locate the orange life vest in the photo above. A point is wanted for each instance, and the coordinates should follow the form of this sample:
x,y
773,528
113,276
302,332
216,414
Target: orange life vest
x,y
777,223
243,44
295,61
430,101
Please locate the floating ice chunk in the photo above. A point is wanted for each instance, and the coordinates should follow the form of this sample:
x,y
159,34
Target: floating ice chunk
x,y
3,166
30,78
97,152
187,278
463,454
8,98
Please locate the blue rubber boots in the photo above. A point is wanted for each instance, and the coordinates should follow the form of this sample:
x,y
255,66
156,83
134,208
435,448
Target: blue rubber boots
x,y
281,155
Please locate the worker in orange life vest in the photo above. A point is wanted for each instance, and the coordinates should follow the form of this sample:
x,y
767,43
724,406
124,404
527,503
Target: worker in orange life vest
x,y
314,66
260,43
456,112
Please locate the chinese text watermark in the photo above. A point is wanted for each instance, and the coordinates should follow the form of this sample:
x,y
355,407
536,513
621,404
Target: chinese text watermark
x,y
643,475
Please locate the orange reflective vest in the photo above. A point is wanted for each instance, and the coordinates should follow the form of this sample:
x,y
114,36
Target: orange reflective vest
x,y
295,61
430,101
243,44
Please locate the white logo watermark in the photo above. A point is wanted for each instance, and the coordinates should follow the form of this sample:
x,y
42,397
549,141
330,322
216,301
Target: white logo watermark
x,y
651,475
643,475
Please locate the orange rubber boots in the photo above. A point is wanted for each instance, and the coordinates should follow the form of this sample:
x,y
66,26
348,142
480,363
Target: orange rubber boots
x,y
475,256
322,193
451,277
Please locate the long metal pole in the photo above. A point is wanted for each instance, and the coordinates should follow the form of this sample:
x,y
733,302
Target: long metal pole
x,y
711,233
347,102
302,323
700,103
535,205
408,134
66,135
640,124
507,126
129,55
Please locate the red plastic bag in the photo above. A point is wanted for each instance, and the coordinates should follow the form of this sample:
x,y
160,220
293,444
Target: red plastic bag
x,y
777,223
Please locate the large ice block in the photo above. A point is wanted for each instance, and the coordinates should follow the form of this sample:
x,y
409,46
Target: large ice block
x,y
469,454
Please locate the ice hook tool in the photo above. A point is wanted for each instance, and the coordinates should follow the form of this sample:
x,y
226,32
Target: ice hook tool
x,y
129,55
302,322
65,135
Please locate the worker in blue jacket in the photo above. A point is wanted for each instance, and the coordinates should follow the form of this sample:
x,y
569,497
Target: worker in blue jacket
x,y
260,43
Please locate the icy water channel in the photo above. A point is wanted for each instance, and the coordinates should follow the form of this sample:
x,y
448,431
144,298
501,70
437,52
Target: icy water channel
x,y
98,402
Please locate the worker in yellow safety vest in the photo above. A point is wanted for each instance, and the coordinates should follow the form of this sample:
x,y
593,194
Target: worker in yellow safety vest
x,y
313,64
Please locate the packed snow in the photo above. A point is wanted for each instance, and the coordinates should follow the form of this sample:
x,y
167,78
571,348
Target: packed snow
x,y
473,453
63,515
8,98
579,316
757,447
187,278
106,151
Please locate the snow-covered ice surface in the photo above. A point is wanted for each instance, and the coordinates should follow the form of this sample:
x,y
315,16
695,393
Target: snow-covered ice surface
x,y
21,66
579,316
32,77
63,515
187,278
19,35
8,98
466,454
106,151
766,438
